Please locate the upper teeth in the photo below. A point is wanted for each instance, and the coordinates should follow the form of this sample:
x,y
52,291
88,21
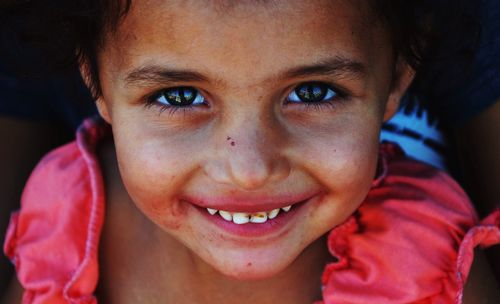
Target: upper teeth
x,y
244,217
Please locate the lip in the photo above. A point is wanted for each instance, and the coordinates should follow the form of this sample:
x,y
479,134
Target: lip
x,y
270,229
250,204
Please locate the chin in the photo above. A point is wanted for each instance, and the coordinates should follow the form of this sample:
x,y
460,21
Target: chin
x,y
251,265
250,272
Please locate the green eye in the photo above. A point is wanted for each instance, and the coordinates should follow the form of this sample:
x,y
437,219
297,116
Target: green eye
x,y
312,92
180,97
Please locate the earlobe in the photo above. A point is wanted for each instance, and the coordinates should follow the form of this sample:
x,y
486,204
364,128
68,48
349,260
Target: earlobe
x,y
403,77
103,110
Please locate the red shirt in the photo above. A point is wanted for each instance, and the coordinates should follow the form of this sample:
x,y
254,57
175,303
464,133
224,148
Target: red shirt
x,y
411,241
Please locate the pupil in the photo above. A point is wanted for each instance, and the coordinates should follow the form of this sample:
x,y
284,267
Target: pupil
x,y
181,96
311,92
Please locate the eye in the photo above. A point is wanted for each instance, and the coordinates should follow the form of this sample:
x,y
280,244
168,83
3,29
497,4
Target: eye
x,y
180,97
312,92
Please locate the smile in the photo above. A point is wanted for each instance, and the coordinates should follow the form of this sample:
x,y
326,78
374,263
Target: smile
x,y
264,217
244,218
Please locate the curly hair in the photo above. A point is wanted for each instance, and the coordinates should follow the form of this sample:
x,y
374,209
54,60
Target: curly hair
x,y
428,35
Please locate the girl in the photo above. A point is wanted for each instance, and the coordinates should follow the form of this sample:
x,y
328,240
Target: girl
x,y
237,161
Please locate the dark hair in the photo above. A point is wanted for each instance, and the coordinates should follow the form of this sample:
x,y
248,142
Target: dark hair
x,y
427,34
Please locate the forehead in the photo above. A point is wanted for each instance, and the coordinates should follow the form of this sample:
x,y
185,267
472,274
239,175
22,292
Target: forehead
x,y
249,36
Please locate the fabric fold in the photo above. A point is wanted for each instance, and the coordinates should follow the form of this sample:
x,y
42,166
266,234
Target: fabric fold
x,y
411,241
53,240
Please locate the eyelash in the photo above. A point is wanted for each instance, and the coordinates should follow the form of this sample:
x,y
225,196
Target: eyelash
x,y
152,100
340,96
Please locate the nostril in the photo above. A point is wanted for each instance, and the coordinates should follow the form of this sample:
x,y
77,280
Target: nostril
x,y
218,171
281,169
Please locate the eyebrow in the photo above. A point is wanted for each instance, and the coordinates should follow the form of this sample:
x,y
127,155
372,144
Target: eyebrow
x,y
336,67
156,74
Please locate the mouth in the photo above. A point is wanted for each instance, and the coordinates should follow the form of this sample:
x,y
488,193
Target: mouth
x,y
246,222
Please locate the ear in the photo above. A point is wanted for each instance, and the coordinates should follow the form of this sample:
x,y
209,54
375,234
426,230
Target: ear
x,y
403,76
102,107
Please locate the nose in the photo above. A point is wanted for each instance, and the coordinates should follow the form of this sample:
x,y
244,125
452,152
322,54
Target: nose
x,y
251,154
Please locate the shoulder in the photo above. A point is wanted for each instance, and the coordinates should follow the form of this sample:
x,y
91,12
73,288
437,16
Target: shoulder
x,y
422,207
413,189
52,239
45,196
61,179
68,173
412,239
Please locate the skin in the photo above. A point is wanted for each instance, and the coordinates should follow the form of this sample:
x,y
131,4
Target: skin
x,y
161,159
167,158
277,146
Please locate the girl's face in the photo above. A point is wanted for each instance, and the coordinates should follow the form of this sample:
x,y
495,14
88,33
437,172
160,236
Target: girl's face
x,y
248,107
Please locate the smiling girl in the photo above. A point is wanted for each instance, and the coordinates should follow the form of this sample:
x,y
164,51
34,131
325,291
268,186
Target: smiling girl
x,y
237,160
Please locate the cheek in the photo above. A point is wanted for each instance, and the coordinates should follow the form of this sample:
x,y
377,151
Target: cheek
x,y
342,156
351,165
347,176
151,175
341,146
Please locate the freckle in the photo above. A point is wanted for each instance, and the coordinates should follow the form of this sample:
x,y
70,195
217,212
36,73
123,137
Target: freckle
x,y
228,138
249,264
232,143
